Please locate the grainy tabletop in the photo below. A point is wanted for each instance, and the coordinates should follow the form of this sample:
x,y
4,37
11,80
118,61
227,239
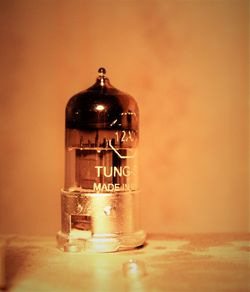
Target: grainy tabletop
x,y
202,262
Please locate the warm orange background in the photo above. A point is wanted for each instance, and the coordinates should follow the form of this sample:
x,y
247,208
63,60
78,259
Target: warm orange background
x,y
186,62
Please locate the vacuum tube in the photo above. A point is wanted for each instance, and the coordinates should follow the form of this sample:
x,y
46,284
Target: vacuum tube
x,y
99,201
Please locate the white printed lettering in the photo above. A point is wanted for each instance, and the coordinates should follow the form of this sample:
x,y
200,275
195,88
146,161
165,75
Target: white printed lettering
x,y
113,171
99,187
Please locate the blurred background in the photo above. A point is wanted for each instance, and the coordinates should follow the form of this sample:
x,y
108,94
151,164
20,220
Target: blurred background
x,y
185,61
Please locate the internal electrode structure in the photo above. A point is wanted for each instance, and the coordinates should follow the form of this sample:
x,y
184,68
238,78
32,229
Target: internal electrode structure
x,y
100,199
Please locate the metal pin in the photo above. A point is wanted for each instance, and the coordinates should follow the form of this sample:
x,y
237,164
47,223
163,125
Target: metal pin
x,y
134,269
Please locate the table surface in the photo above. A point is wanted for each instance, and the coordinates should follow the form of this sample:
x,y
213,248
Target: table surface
x,y
202,262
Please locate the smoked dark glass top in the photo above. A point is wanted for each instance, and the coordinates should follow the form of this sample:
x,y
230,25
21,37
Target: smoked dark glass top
x,y
102,106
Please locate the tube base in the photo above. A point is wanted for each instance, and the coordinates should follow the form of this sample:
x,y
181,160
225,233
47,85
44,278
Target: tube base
x,y
100,222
